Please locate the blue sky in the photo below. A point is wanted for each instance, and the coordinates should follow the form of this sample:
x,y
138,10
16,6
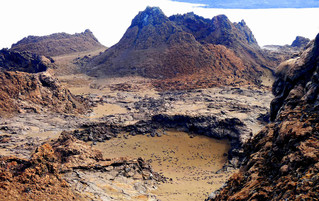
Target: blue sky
x,y
251,4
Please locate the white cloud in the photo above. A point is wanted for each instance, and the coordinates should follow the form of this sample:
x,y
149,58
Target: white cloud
x,y
109,19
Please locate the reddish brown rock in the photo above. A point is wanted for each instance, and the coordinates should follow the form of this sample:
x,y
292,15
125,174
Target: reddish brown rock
x,y
283,159
25,92
34,179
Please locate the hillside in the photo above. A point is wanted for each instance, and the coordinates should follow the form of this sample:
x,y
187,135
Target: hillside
x,y
177,53
58,44
282,160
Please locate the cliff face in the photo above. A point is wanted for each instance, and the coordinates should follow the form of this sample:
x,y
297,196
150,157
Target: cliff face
x,y
300,42
58,43
283,159
182,49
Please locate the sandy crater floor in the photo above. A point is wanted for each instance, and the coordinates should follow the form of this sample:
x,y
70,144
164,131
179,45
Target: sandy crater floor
x,y
190,162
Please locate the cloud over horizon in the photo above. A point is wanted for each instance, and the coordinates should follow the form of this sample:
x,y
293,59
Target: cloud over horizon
x,y
108,20
251,4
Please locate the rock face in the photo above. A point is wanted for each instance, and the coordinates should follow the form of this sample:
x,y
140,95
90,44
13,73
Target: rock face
x,y
58,43
24,61
300,42
296,79
282,160
183,48
59,170
24,92
26,86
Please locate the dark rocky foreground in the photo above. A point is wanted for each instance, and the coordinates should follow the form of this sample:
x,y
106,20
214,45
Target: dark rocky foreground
x,y
67,169
282,160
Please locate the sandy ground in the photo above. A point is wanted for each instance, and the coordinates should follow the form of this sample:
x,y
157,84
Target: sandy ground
x,y
189,161
66,64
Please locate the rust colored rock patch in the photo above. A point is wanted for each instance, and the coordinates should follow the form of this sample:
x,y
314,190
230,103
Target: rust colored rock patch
x,y
24,92
34,179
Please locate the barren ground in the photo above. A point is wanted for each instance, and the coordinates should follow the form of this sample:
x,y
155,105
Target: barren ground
x,y
190,162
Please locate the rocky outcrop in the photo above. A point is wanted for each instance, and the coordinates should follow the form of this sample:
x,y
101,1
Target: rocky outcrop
x,y
34,179
64,170
27,86
296,79
22,92
300,42
183,50
24,61
58,43
282,160
279,53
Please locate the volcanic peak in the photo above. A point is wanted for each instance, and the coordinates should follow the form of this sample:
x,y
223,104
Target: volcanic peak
x,y
150,16
155,46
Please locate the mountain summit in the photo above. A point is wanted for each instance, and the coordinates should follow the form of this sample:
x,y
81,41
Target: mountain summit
x,y
152,15
187,48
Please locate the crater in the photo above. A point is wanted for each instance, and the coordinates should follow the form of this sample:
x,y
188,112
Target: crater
x,y
189,161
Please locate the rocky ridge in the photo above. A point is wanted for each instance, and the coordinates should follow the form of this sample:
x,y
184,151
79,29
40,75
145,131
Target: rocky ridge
x,y
300,42
221,31
282,160
211,52
58,43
